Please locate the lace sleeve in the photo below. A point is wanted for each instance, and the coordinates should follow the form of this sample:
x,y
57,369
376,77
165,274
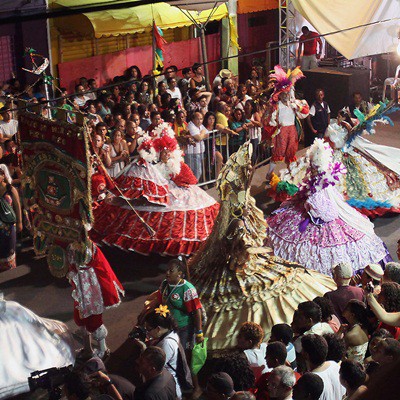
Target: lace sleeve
x,y
320,206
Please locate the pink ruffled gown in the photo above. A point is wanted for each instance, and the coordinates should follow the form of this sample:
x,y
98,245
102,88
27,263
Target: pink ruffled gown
x,y
322,230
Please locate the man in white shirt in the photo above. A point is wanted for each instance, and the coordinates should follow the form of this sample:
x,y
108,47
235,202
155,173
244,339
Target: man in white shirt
x,y
314,352
307,321
8,126
173,90
194,154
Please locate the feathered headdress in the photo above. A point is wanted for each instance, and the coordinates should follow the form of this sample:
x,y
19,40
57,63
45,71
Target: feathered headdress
x,y
283,81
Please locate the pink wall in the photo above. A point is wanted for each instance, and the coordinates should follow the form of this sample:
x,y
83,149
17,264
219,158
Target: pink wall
x,y
104,67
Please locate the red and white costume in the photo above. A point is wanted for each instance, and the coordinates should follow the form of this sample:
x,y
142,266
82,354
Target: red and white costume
x,y
280,123
165,196
95,289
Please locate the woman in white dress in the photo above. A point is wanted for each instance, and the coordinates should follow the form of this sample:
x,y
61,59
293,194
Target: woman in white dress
x,y
29,343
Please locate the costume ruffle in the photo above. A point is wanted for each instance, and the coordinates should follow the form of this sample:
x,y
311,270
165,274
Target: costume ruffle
x,y
319,247
140,180
181,223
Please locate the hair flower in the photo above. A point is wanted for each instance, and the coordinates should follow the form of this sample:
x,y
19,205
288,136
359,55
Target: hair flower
x,y
162,310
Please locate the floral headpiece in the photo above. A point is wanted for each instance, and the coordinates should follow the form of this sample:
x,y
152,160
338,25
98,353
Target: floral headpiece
x,y
146,149
162,310
165,142
323,171
162,129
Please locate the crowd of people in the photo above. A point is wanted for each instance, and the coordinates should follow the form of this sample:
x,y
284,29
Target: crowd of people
x,y
339,346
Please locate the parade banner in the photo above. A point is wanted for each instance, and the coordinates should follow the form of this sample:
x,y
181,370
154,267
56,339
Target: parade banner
x,y
56,185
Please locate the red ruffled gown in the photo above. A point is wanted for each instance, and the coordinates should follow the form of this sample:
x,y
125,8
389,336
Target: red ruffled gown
x,y
181,214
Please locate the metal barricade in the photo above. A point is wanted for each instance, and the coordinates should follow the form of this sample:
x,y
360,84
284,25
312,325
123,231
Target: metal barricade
x,y
216,154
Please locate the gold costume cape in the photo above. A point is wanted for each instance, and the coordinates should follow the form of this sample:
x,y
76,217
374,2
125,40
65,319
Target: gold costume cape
x,y
236,277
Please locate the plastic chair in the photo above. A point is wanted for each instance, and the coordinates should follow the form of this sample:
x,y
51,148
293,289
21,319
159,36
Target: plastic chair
x,y
392,83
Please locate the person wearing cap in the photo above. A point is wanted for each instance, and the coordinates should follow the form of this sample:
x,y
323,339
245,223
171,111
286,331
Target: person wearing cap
x,y
8,126
219,387
224,73
342,274
372,274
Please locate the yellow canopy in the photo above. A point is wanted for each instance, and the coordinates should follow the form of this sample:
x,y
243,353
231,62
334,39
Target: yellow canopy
x,y
140,18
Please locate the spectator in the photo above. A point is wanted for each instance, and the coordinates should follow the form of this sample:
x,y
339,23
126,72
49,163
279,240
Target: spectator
x,y
373,273
243,396
318,119
10,220
220,387
155,118
8,126
284,333
159,384
328,313
361,105
133,73
173,89
309,387
352,377
387,351
183,84
132,133
242,96
80,99
101,150
240,125
198,81
102,130
119,153
357,331
375,338
281,382
92,86
342,274
315,350
125,388
249,340
163,330
307,321
275,356
76,387
336,347
161,89
389,297
144,114
235,364
223,74
195,154
252,113
392,273
309,41
144,95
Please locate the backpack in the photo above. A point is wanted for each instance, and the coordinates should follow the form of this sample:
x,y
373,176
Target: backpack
x,y
182,371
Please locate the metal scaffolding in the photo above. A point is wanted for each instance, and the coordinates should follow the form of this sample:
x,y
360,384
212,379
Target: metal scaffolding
x,y
287,34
